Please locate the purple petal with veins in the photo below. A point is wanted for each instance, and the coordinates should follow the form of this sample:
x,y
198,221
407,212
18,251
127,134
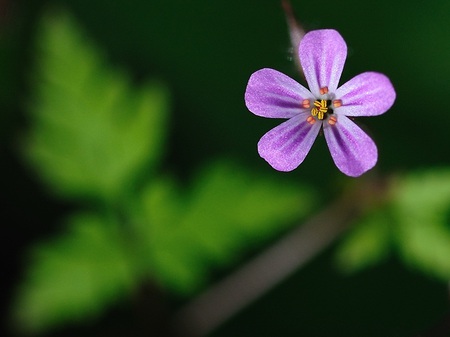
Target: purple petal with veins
x,y
272,94
322,55
368,94
286,146
352,150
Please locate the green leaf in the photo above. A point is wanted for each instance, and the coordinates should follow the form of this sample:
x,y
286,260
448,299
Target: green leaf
x,y
92,131
366,244
227,211
75,276
422,205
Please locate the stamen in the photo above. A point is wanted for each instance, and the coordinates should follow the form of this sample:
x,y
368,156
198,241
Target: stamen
x,y
306,104
337,103
323,90
320,109
332,120
320,115
320,104
311,120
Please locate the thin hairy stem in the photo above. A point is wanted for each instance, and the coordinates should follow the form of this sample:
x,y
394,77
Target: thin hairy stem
x,y
296,32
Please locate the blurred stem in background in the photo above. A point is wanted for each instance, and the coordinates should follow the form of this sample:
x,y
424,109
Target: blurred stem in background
x,y
296,32
224,300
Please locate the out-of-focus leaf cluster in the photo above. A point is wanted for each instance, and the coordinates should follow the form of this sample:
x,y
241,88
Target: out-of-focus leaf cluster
x,y
92,134
226,210
415,223
75,276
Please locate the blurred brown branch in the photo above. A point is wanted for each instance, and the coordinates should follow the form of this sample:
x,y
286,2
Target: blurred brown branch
x,y
223,300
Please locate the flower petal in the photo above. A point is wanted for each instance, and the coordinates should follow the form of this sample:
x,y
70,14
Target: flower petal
x,y
322,56
368,94
273,94
286,146
353,151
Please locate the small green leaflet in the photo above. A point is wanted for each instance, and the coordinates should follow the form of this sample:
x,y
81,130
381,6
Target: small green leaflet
x,y
75,276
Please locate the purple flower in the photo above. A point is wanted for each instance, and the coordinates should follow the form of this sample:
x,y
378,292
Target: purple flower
x,y
272,94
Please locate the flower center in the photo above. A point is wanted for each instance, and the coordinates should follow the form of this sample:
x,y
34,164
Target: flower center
x,y
321,109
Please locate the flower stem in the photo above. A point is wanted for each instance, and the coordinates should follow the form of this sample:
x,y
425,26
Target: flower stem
x,y
296,32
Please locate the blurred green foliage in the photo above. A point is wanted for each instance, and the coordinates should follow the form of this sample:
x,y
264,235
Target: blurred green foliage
x,y
226,210
76,275
91,133
415,223
422,207
368,243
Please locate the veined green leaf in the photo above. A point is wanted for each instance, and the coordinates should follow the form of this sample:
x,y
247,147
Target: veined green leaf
x,y
76,276
227,211
92,131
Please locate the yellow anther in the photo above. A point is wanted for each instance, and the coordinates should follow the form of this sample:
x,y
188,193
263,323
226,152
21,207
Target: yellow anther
x,y
320,114
322,104
320,109
323,90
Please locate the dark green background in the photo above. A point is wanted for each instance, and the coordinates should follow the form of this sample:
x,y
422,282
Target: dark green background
x,y
205,51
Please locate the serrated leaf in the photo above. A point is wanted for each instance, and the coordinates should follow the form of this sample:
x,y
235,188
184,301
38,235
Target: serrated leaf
x,y
75,276
92,131
368,243
227,211
422,204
